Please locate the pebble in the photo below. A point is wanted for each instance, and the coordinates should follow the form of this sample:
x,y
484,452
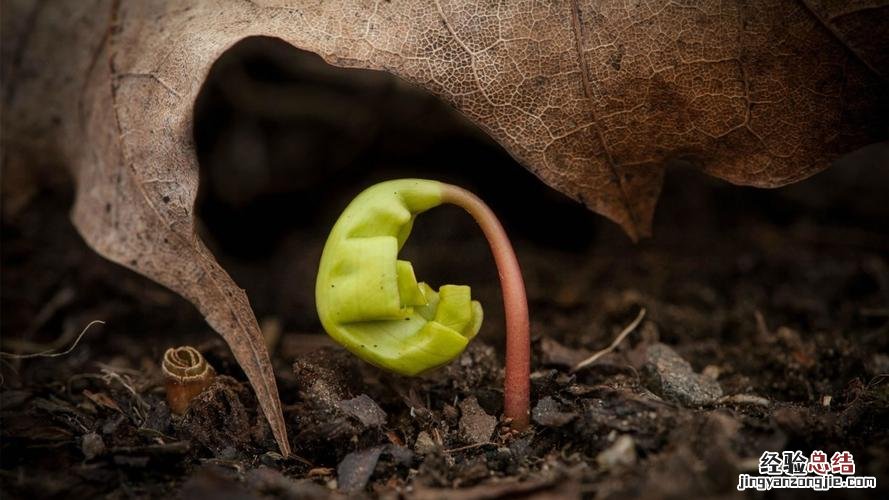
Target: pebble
x,y
424,443
92,445
622,453
671,377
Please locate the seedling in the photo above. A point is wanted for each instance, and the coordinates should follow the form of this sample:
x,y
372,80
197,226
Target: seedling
x,y
371,302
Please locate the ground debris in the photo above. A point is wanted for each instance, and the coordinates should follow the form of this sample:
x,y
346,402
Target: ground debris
x,y
217,419
548,413
553,353
355,470
324,375
701,442
424,443
330,421
673,378
365,409
622,453
476,426
213,481
95,423
273,483
92,445
745,399
476,367
159,450
556,487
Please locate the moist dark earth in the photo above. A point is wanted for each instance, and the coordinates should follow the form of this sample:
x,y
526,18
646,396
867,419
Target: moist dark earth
x,y
766,322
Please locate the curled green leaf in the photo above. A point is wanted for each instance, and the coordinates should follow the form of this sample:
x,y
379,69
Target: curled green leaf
x,y
371,302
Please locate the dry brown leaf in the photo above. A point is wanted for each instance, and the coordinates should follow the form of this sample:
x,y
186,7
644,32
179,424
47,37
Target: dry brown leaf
x,y
592,96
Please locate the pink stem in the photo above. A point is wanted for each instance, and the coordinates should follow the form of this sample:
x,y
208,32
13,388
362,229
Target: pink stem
x,y
517,388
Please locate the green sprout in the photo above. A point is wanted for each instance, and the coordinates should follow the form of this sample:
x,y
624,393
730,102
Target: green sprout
x,y
371,302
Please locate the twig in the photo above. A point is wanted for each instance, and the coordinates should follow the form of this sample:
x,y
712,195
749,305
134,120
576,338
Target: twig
x,y
468,447
48,353
108,375
623,334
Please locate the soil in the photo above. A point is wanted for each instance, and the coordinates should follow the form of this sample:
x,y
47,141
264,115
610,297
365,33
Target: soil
x,y
766,326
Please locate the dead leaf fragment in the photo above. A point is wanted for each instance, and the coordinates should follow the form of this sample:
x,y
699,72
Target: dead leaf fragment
x,y
594,97
476,426
355,469
365,409
102,399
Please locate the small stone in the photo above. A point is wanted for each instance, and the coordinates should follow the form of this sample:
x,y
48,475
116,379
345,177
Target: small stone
x,y
671,377
548,414
92,445
476,426
365,409
424,444
622,453
711,371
